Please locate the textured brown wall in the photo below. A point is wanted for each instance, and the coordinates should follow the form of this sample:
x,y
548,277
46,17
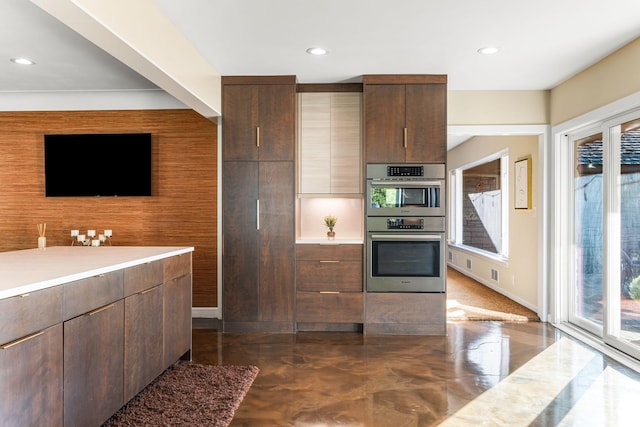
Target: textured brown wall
x,y
181,212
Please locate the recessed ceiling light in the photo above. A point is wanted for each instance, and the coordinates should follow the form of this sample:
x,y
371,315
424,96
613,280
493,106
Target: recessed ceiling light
x,y
22,61
489,50
317,51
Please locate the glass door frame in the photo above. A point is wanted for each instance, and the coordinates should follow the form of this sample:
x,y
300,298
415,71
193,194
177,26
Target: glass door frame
x,y
613,233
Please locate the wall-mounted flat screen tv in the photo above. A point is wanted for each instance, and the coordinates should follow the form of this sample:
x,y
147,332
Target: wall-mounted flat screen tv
x,y
97,165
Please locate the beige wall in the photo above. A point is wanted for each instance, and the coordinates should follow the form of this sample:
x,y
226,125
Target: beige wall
x,y
529,107
613,78
518,277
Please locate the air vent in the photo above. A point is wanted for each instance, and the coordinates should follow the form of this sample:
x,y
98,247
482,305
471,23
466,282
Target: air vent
x,y
469,264
494,274
450,256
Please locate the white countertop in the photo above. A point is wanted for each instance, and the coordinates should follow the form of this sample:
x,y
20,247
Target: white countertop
x,y
35,269
325,241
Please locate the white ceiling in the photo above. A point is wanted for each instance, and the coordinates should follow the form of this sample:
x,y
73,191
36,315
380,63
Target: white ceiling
x,y
542,42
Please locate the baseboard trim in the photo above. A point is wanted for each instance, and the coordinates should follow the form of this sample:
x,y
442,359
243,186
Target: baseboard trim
x,y
205,312
493,287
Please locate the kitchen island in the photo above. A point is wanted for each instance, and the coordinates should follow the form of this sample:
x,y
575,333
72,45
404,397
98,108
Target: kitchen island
x,y
84,329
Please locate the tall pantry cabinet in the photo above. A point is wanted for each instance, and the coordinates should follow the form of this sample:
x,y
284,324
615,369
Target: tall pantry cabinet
x,y
258,195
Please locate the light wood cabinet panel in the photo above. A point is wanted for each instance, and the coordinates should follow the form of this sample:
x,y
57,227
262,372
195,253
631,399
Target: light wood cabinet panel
x,y
330,143
31,380
94,366
406,313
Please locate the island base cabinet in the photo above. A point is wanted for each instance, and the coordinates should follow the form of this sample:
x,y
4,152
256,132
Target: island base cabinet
x,y
177,320
94,366
31,380
143,348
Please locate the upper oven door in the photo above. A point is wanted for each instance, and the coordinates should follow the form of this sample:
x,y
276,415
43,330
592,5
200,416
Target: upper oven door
x,y
405,197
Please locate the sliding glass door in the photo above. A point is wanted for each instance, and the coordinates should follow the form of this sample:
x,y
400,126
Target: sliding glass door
x,y
603,295
586,290
622,329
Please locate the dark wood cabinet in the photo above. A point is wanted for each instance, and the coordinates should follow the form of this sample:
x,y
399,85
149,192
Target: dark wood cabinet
x,y
94,365
143,343
258,254
177,319
405,118
258,118
258,128
31,379
329,285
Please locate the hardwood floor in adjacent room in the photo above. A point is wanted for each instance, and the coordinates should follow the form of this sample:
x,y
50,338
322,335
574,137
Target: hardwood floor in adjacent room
x,y
481,373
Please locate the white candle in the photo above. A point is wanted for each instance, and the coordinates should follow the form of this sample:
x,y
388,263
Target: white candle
x,y
108,233
80,237
91,233
95,243
74,233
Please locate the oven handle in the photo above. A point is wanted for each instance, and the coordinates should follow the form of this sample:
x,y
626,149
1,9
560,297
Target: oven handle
x,y
406,236
405,184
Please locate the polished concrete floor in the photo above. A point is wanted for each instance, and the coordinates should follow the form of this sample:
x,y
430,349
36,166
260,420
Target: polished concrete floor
x,y
480,374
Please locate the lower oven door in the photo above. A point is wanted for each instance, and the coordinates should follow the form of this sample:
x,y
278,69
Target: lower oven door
x,y
398,262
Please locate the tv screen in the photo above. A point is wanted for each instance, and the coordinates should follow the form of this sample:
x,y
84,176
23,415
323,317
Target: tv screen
x,y
97,165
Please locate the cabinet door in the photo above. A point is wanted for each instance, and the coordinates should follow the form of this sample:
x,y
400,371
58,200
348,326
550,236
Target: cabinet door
x,y
240,256
31,380
94,365
315,143
239,122
384,113
426,123
346,119
277,241
258,122
276,121
143,347
177,319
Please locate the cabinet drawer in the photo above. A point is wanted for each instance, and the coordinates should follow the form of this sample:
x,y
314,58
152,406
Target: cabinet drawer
x,y
87,294
329,307
24,314
177,266
143,276
329,252
329,275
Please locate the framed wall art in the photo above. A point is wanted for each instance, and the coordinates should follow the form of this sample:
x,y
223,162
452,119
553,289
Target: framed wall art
x,y
522,185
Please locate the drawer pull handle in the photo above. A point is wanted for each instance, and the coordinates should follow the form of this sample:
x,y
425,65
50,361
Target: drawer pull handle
x,y
329,292
146,291
21,340
329,261
24,295
98,310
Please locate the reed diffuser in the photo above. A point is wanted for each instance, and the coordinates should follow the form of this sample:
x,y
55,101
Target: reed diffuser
x,y
42,238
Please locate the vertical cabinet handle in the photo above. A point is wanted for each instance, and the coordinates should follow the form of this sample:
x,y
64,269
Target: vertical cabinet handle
x,y
258,214
405,138
258,136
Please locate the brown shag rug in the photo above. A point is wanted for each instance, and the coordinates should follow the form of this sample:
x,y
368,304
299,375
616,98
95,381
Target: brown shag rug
x,y
468,299
188,395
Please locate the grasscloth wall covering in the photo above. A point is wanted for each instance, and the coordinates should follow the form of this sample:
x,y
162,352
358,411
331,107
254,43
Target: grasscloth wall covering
x,y
181,212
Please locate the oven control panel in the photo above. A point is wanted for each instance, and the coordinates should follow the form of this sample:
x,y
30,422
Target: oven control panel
x,y
405,171
405,224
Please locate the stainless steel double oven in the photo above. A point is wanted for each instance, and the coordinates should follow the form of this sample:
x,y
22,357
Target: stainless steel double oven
x,y
405,209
